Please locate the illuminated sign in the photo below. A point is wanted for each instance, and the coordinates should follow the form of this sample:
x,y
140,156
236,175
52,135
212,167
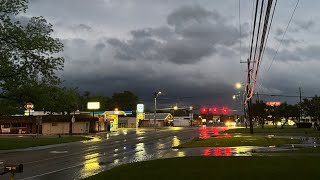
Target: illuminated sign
x,y
29,106
273,103
93,105
140,108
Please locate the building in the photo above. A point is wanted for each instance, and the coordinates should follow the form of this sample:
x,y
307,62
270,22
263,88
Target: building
x,y
162,119
181,121
127,122
18,125
48,125
81,124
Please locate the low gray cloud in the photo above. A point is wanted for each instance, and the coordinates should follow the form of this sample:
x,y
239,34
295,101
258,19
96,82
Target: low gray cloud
x,y
307,53
287,41
84,27
279,32
305,25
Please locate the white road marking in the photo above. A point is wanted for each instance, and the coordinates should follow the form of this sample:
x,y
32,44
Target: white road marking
x,y
58,152
52,172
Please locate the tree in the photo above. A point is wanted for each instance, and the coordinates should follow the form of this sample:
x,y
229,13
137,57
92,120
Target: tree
x,y
27,51
288,110
311,107
259,111
125,101
44,97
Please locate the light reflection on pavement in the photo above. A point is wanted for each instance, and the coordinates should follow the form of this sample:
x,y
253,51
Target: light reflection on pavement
x,y
105,151
109,150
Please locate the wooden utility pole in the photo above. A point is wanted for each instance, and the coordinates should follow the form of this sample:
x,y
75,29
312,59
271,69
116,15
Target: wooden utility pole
x,y
248,98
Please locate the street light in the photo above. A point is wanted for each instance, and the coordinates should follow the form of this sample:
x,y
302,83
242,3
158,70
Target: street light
x,y
93,106
234,97
156,94
174,109
238,85
191,116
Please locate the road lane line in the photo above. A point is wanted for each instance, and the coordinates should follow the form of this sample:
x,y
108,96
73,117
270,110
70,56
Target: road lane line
x,y
70,167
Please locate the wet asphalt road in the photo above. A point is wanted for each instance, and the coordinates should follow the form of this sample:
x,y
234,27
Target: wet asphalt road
x,y
82,159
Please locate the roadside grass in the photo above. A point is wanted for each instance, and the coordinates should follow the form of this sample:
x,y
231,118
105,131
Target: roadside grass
x,y
25,142
239,141
287,131
246,168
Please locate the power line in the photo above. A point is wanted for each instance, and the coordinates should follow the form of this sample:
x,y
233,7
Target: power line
x,y
264,48
279,95
262,44
257,40
283,35
240,50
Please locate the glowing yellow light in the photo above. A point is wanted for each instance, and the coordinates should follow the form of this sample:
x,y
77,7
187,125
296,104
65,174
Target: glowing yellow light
x,y
175,141
93,105
238,85
234,97
175,107
181,154
231,124
90,165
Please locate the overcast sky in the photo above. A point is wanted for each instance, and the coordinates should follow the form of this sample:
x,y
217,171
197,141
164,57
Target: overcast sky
x,y
184,48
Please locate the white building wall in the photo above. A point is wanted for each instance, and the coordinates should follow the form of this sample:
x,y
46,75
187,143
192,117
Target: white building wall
x,y
80,127
55,128
181,121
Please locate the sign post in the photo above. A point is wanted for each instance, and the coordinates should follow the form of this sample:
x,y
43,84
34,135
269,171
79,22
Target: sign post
x,y
139,114
93,106
29,106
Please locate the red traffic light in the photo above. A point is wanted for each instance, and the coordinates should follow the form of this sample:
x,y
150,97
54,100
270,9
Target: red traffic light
x,y
214,110
225,110
204,110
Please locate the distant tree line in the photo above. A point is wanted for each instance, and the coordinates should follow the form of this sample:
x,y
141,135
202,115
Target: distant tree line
x,y
309,107
61,100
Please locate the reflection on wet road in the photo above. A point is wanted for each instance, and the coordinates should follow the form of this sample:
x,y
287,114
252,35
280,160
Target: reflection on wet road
x,y
105,151
209,132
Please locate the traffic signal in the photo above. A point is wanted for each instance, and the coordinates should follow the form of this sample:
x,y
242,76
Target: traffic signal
x,y
204,110
214,110
225,110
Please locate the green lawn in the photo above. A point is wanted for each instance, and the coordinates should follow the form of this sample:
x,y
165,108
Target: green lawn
x,y
290,131
239,141
25,142
246,168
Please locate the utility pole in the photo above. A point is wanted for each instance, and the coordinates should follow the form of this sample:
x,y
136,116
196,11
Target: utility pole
x,y
156,94
155,111
248,97
300,105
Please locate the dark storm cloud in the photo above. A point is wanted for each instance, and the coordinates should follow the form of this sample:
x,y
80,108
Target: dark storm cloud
x,y
183,48
187,14
196,33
